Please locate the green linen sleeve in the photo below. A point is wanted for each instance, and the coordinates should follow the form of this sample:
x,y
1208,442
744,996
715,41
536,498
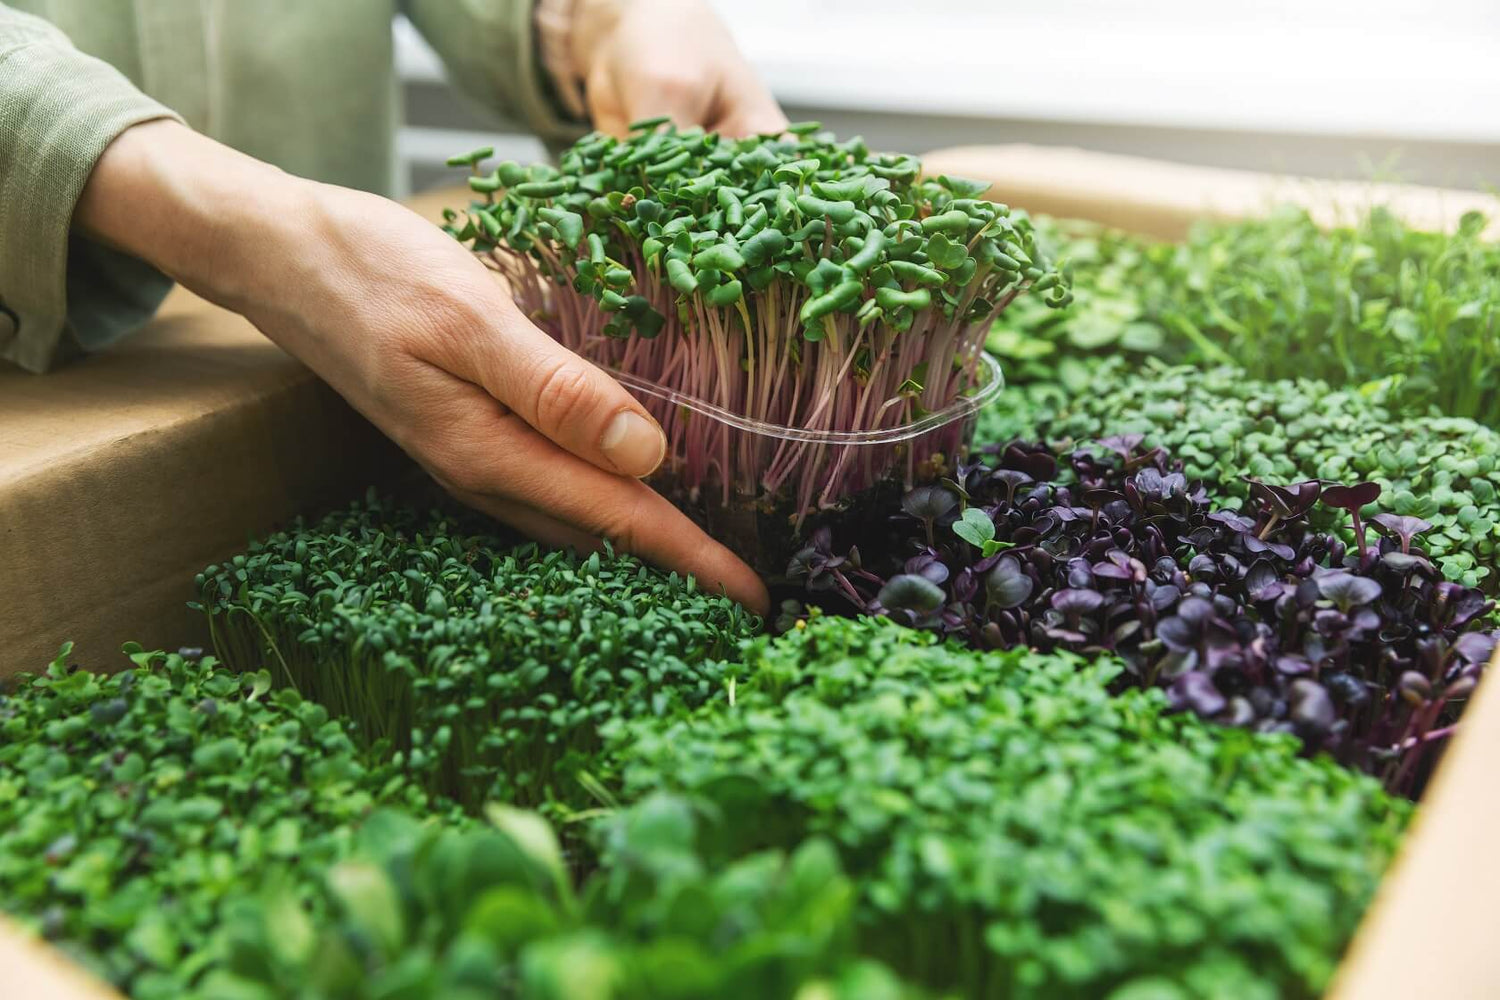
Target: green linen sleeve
x,y
490,49
59,109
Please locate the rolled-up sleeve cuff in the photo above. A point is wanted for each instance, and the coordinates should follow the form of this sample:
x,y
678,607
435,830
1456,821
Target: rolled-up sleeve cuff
x,y
59,109
489,48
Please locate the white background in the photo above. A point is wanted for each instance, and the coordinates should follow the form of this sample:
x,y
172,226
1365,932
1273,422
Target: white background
x,y
1324,87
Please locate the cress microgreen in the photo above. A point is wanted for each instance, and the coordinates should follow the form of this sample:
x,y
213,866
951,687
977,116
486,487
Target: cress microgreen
x,y
488,665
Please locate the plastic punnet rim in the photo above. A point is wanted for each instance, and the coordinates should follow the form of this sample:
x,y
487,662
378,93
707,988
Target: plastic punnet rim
x,y
961,407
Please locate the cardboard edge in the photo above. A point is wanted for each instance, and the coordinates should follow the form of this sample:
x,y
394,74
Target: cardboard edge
x,y
314,467
1163,200
1430,929
36,971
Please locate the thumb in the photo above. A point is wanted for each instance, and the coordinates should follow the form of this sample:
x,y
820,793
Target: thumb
x,y
571,402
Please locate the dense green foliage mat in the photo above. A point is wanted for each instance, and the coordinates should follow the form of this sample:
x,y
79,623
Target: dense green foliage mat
x,y
1016,831
489,665
135,806
721,813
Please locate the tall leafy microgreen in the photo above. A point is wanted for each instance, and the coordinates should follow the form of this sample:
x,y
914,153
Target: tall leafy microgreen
x,y
428,913
1373,302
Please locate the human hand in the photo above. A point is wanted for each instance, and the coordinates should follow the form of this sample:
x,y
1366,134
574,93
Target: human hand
x,y
643,58
416,334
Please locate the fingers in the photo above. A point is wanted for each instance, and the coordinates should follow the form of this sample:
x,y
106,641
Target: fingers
x,y
495,462
606,111
745,107
532,524
629,513
678,92
569,401
747,590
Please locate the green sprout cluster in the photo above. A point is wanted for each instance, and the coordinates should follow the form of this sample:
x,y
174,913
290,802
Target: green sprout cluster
x,y
1225,425
1017,831
488,666
794,280
427,913
135,807
1371,303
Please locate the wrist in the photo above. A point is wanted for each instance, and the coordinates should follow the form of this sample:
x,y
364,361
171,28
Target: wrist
x,y
210,218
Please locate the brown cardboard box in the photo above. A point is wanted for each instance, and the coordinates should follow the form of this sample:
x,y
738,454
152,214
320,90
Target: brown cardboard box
x,y
125,474
122,477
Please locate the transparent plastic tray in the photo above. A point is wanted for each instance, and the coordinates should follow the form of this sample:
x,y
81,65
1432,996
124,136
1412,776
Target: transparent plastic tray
x,y
758,487
963,406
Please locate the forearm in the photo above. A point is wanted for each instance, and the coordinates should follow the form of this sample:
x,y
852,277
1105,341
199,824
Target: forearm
x,y
207,216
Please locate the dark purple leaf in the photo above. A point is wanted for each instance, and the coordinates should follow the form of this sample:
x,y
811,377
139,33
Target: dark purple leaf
x,y
1474,647
1102,497
1010,479
1234,522
1293,665
1203,567
1196,610
1351,498
1347,689
1074,602
1037,462
1463,604
1122,444
1262,582
1007,584
1080,574
1255,544
1164,596
1310,708
1401,528
928,566
1178,633
928,503
909,592
1403,563
1195,691
1347,590
1285,501
1109,571
1414,687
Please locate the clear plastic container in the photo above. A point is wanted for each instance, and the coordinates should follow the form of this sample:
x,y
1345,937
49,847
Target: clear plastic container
x,y
757,487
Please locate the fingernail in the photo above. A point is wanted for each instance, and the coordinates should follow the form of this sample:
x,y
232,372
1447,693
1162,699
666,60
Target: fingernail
x,y
634,444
